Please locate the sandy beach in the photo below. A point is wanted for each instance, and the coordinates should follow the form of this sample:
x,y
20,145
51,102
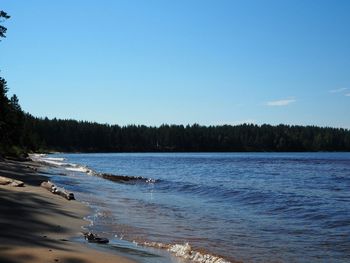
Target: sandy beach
x,y
37,226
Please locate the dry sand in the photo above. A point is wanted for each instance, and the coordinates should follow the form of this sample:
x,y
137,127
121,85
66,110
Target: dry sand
x,y
36,226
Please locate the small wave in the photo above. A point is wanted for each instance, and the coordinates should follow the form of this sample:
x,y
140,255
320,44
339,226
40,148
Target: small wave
x,y
185,251
79,168
36,155
49,161
55,159
83,169
199,188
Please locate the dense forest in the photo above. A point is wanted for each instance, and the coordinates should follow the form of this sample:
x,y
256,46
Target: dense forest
x,y
20,133
71,135
12,117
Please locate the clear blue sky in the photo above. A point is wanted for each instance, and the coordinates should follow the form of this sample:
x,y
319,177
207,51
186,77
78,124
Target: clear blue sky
x,y
179,62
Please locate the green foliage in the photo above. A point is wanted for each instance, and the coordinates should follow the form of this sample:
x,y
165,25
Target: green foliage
x,y
3,16
11,122
11,114
16,151
74,136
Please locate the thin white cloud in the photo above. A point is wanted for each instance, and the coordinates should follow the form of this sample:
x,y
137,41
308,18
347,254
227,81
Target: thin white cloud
x,y
338,90
284,102
348,94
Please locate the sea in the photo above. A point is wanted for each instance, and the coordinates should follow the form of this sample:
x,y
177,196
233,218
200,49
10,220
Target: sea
x,y
220,207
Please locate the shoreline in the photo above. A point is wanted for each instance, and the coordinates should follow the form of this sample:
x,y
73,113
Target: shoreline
x,y
181,251
38,226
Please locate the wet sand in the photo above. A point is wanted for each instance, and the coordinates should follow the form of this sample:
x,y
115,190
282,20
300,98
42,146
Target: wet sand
x,y
37,226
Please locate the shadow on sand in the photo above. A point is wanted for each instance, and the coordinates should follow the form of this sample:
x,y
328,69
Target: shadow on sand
x,y
22,217
28,172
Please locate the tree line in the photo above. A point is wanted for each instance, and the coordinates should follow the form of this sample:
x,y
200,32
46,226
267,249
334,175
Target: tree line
x,y
12,117
21,132
82,136
30,134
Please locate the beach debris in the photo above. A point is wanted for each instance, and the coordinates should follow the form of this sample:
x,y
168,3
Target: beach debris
x,y
57,190
93,238
64,193
9,181
185,251
47,185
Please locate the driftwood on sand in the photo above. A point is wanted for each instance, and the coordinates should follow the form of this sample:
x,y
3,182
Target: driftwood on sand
x,y
47,185
57,190
9,181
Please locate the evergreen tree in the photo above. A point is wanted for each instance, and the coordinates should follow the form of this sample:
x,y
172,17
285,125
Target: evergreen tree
x,y
11,115
3,16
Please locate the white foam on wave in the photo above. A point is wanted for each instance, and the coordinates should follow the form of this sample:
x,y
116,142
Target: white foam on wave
x,y
150,181
36,155
59,161
185,251
54,159
79,168
47,160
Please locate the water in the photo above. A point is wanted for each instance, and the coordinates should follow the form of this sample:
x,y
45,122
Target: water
x,y
253,207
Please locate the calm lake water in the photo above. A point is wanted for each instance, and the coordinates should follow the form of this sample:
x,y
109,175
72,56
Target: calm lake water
x,y
254,207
